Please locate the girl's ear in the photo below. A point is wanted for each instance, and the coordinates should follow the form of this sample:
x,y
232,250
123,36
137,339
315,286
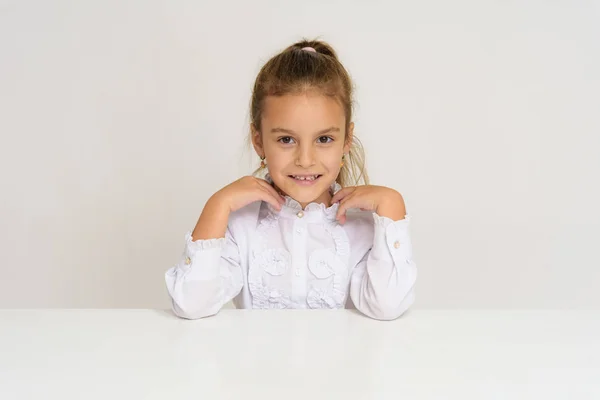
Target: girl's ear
x,y
349,138
257,142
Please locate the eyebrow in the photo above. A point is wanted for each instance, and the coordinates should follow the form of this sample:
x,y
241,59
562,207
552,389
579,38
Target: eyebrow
x,y
291,132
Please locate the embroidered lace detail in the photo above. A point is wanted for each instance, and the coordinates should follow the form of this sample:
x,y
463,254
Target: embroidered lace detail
x,y
330,264
289,202
274,261
263,297
266,223
323,263
342,246
319,298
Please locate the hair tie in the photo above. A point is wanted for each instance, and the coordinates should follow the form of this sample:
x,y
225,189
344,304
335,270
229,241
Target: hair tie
x,y
309,49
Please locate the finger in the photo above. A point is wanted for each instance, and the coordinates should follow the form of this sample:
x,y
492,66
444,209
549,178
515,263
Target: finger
x,y
345,204
264,184
343,217
342,193
272,190
267,196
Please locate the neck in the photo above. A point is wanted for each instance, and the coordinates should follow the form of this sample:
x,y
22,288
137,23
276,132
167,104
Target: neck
x,y
324,198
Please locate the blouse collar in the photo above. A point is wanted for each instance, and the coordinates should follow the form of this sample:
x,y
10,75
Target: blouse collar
x,y
313,212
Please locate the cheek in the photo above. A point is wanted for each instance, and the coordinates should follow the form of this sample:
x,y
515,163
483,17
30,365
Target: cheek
x,y
279,162
273,155
334,161
279,159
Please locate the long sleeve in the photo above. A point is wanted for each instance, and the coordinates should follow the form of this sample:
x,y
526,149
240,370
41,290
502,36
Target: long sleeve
x,y
207,276
382,283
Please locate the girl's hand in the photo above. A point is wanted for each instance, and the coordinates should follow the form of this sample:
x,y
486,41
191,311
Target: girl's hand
x,y
384,201
247,190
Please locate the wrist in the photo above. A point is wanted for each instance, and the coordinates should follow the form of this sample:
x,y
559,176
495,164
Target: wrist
x,y
392,207
213,220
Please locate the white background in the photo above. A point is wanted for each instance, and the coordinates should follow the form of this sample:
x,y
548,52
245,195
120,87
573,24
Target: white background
x,y
118,119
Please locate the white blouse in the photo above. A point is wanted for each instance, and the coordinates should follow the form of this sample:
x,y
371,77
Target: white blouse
x,y
297,258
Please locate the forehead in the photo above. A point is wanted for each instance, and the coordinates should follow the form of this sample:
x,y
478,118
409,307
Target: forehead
x,y
302,110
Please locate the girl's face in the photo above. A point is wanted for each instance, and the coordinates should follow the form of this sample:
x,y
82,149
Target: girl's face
x,y
303,140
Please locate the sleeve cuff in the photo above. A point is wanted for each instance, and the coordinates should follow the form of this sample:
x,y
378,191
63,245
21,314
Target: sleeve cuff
x,y
195,245
199,249
392,237
384,222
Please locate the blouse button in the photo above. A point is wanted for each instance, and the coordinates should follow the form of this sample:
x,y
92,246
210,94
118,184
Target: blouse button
x,y
297,272
396,244
188,261
300,214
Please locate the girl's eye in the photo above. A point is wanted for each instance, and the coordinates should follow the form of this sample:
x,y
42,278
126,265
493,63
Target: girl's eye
x,y
325,139
286,140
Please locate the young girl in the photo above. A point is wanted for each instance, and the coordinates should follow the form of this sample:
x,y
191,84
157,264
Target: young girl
x,y
291,240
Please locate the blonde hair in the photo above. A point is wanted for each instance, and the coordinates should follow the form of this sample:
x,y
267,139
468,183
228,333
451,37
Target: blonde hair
x,y
294,71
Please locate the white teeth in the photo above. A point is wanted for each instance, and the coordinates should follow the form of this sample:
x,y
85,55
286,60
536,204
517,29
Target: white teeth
x,y
305,178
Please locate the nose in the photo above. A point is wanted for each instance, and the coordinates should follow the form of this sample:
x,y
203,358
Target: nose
x,y
306,156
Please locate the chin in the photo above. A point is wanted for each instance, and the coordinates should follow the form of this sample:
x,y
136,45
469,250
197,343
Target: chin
x,y
302,191
305,198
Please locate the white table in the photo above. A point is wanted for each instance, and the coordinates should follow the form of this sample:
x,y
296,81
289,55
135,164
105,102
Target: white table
x,y
150,354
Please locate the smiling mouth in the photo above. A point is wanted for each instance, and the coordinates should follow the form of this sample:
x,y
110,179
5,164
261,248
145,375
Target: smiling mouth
x,y
305,178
